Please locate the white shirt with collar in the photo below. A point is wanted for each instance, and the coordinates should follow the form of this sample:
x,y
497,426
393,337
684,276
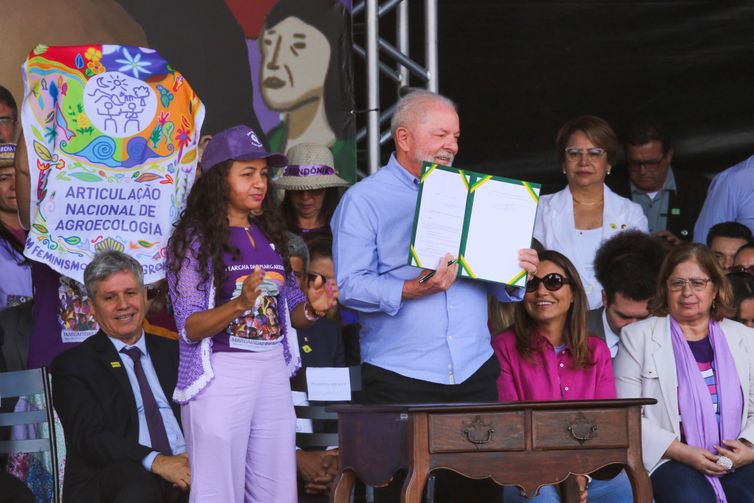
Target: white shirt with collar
x,y
611,339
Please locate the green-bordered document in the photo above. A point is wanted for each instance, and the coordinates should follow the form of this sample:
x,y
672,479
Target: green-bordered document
x,y
483,220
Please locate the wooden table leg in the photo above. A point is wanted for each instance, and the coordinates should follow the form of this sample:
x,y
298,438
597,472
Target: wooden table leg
x,y
640,483
341,492
418,459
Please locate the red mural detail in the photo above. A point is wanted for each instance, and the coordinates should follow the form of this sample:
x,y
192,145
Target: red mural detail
x,y
250,15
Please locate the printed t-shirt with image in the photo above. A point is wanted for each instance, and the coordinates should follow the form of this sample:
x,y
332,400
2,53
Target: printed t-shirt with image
x,y
259,328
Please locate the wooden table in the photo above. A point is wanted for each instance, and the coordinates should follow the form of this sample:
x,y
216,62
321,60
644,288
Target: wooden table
x,y
529,444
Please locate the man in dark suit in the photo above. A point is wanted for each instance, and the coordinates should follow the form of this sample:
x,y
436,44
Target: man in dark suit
x,y
671,199
112,393
627,266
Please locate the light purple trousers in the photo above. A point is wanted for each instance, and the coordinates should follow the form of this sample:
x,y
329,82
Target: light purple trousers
x,y
240,432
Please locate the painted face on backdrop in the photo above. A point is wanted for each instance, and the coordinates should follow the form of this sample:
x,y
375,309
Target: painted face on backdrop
x,y
295,59
588,167
248,185
648,165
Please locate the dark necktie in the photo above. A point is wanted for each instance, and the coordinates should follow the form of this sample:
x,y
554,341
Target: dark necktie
x,y
155,425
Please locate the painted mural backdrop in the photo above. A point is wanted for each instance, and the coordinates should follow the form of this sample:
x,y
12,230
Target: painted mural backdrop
x,y
111,133
300,60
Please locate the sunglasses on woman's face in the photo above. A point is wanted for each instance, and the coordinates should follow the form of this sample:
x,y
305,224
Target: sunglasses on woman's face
x,y
553,282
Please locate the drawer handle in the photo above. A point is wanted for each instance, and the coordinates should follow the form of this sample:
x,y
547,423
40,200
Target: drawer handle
x,y
582,429
475,433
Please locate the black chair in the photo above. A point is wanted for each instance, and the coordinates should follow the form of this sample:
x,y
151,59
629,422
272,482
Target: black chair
x,y
24,383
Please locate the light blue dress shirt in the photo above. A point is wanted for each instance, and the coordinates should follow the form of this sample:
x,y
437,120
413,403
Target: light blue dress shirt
x,y
730,198
441,338
175,436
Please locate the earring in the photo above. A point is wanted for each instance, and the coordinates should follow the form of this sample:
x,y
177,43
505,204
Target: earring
x,y
608,171
714,303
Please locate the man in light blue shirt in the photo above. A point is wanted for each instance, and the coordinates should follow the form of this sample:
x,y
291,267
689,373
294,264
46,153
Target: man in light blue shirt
x,y
124,441
420,342
730,199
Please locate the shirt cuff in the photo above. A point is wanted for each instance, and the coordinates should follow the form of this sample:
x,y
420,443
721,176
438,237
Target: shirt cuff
x,y
393,300
148,460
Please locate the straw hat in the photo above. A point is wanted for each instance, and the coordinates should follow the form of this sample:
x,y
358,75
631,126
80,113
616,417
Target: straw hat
x,y
310,167
7,154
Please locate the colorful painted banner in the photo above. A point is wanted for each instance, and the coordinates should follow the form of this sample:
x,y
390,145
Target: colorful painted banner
x,y
111,133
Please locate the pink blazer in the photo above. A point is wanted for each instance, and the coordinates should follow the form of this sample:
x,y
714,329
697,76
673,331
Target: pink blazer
x,y
550,376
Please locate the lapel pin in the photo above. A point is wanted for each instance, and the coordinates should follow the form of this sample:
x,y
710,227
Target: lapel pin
x,y
115,365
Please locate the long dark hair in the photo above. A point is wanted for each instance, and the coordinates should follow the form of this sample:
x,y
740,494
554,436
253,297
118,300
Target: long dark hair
x,y
205,220
576,335
328,208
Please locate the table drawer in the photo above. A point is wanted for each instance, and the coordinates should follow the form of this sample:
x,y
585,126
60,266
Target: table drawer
x,y
495,431
554,429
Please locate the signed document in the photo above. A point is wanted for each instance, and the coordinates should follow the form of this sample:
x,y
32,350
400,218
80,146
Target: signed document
x,y
483,220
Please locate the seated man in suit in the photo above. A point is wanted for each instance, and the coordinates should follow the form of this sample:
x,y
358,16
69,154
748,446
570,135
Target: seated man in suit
x,y
627,266
122,434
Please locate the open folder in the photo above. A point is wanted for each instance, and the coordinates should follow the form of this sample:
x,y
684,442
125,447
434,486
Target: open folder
x,y
483,220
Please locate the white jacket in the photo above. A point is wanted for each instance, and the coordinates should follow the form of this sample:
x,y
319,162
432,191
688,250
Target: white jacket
x,y
645,367
555,228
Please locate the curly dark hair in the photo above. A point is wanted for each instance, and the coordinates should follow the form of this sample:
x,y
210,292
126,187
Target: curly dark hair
x,y
629,263
205,219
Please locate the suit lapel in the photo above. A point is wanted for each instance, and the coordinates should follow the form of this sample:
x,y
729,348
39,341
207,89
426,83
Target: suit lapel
x,y
741,356
111,360
664,360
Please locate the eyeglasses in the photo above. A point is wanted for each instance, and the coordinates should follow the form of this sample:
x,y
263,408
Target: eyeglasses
x,y
742,268
573,154
553,282
648,164
696,284
7,121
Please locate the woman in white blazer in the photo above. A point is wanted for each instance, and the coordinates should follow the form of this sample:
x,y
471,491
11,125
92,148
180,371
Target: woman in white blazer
x,y
576,220
697,439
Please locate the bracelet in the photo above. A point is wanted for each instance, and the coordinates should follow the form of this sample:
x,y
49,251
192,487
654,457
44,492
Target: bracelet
x,y
310,313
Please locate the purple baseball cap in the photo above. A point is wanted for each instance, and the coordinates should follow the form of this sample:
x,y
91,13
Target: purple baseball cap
x,y
239,143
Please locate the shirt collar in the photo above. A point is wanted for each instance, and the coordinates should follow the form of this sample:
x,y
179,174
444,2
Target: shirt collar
x,y
611,338
669,184
119,344
401,173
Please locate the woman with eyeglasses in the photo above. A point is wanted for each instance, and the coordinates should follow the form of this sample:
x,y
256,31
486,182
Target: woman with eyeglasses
x,y
236,303
742,283
548,355
699,366
576,220
311,190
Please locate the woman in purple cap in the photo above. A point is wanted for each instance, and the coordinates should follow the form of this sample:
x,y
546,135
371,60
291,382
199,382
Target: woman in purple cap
x,y
311,190
227,261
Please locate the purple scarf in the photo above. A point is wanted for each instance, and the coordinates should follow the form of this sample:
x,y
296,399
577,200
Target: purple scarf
x,y
697,414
